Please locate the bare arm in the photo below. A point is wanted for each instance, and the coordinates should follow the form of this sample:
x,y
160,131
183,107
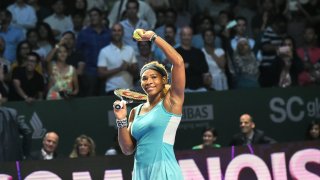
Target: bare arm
x,y
125,139
75,83
20,91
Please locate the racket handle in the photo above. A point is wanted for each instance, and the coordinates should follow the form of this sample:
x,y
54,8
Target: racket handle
x,y
120,105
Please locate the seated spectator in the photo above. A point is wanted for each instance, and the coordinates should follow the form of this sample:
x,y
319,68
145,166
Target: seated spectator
x,y
33,40
249,134
310,55
49,148
245,66
63,80
12,131
28,84
41,11
115,148
83,146
209,137
313,131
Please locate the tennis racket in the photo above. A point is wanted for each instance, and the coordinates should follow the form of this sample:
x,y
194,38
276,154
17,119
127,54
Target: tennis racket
x,y
129,96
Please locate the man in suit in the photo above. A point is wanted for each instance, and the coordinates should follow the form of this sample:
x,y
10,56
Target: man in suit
x,y
48,150
249,134
12,147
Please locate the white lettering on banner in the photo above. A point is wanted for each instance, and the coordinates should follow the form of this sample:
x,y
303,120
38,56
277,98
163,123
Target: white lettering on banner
x,y
299,160
278,165
295,109
197,113
81,175
278,170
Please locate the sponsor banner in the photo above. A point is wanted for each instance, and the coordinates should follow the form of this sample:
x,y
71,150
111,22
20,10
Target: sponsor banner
x,y
287,161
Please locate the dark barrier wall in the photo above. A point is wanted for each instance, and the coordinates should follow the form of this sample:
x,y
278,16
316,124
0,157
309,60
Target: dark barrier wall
x,y
282,113
278,161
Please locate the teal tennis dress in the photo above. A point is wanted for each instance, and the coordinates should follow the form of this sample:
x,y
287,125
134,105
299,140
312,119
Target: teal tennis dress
x,y
155,133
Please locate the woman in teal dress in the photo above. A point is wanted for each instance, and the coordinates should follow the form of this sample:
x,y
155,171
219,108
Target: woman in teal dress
x,y
151,127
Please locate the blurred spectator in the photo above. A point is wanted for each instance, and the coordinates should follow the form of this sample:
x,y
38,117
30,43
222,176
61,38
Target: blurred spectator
x,y
160,14
117,63
245,67
183,13
205,22
75,58
63,81
4,88
311,11
158,4
169,35
132,22
210,7
83,146
33,40
145,56
170,19
215,58
78,20
115,148
241,32
11,35
209,137
90,41
249,134
46,38
58,21
310,55
15,141
27,82
4,63
101,4
313,131
288,65
49,148
195,63
145,12
41,11
263,17
23,15
271,40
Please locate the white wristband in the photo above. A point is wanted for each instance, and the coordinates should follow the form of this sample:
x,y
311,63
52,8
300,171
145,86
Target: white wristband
x,y
123,123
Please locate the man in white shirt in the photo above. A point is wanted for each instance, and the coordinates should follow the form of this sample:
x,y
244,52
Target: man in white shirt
x,y
117,63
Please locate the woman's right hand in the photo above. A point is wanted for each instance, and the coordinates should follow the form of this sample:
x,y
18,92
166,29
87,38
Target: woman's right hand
x,y
122,112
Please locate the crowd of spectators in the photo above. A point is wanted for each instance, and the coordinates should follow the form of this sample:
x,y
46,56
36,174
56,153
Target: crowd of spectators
x,y
59,49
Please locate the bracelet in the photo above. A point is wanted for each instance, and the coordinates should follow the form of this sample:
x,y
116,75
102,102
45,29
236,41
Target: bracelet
x,y
57,46
122,123
153,37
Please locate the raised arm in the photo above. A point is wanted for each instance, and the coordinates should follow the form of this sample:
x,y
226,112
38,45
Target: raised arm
x,y
178,80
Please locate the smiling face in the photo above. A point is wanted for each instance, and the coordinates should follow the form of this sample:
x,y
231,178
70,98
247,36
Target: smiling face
x,y
50,142
246,124
152,82
208,138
